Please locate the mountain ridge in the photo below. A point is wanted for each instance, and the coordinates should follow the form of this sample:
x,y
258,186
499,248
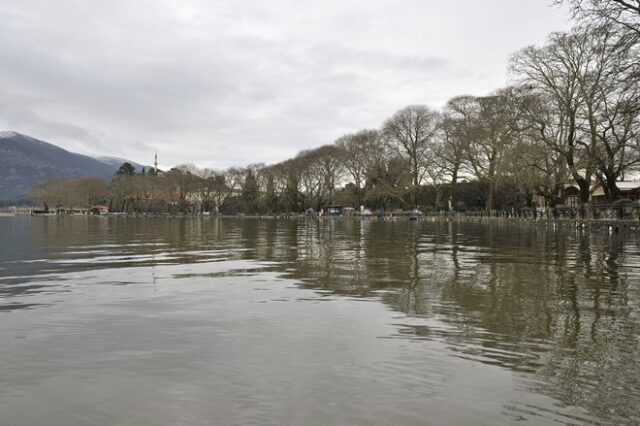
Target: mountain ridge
x,y
26,161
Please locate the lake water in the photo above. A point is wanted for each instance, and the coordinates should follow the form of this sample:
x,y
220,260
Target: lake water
x,y
122,321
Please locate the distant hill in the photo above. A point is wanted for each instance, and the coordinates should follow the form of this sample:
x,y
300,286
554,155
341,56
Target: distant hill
x,y
116,162
26,161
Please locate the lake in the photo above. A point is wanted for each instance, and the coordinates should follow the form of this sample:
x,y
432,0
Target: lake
x,y
203,321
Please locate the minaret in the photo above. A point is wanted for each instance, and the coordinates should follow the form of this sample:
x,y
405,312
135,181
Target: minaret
x,y
155,164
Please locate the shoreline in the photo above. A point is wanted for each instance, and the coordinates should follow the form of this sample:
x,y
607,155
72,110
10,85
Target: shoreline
x,y
612,225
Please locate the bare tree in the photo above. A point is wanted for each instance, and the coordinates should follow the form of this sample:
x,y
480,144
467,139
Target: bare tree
x,y
70,193
589,78
621,14
539,158
51,193
387,184
332,169
612,105
555,72
456,124
227,185
410,134
89,191
358,153
205,185
492,130
318,172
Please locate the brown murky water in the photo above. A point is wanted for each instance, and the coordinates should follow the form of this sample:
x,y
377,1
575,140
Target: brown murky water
x,y
107,321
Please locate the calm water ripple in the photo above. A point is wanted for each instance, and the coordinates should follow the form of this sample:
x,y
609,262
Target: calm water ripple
x,y
242,321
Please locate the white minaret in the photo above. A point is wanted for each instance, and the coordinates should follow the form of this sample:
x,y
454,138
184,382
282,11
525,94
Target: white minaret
x,y
155,164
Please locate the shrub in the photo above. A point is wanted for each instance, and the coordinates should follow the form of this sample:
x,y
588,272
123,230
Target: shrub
x,y
623,201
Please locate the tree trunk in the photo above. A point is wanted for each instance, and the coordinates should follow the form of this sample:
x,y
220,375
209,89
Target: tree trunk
x,y
490,197
613,192
584,190
454,184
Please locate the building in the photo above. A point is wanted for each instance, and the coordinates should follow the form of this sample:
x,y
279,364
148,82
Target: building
x,y
99,210
628,189
333,210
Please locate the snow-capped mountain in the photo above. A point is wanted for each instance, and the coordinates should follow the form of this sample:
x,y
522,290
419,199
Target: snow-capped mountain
x,y
26,161
116,162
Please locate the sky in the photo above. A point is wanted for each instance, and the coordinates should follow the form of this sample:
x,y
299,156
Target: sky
x,y
221,83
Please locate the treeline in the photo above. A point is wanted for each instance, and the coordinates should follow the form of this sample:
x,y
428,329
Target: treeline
x,y
572,115
183,189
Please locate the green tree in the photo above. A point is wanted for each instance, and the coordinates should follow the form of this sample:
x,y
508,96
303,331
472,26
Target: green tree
x,y
126,169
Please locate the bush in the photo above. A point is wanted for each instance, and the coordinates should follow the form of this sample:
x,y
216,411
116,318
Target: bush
x,y
623,201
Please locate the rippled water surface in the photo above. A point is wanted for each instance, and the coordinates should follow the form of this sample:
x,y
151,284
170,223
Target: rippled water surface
x,y
114,321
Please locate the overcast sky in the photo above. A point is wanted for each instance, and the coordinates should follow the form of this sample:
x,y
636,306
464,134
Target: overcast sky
x,y
220,83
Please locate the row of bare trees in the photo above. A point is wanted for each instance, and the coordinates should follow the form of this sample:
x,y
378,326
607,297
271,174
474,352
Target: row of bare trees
x,y
184,189
571,115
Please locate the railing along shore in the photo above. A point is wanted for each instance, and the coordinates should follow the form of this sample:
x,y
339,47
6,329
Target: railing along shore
x,y
610,217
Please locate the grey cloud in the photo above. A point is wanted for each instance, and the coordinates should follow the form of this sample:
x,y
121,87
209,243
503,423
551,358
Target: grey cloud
x,y
219,83
16,116
374,60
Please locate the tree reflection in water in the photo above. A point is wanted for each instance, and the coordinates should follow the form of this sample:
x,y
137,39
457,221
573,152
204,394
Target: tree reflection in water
x,y
559,305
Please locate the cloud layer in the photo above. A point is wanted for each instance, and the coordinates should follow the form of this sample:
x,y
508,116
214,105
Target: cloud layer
x,y
221,83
